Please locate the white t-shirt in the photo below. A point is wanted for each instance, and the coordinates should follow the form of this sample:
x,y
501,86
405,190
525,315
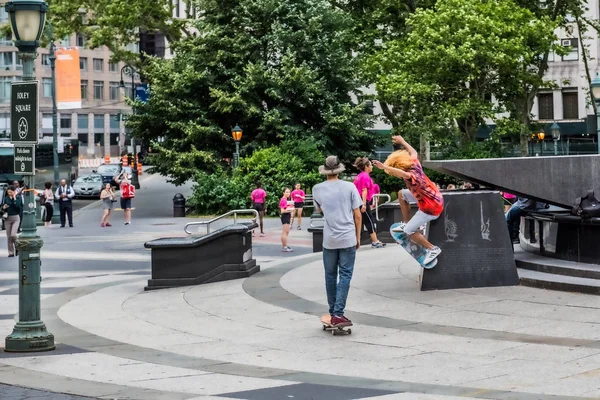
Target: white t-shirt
x,y
337,199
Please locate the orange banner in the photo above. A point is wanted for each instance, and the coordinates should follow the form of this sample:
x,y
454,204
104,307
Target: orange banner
x,y
68,78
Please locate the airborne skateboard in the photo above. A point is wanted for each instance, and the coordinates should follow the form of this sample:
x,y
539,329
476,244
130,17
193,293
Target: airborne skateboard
x,y
418,252
335,330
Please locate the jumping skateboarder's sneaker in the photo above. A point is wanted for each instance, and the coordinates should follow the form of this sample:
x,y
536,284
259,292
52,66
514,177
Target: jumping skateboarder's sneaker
x,y
399,228
432,255
340,321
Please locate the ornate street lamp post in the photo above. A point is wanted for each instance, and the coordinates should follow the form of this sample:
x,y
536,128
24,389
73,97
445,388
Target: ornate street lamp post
x,y
236,133
27,18
555,129
595,89
134,174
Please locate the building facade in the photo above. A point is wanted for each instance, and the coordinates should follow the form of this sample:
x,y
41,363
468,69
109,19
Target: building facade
x,y
96,124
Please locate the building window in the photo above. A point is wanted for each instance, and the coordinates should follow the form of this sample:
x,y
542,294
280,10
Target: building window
x,y
114,90
177,8
115,122
98,64
84,90
546,105
113,67
5,83
7,59
83,63
98,90
47,87
98,121
570,105
46,60
573,46
65,121
82,122
80,40
3,15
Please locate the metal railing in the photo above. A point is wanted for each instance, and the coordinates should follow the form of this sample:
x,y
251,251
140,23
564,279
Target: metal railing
x,y
376,203
227,214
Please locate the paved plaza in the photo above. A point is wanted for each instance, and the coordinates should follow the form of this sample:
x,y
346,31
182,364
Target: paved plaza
x,y
260,338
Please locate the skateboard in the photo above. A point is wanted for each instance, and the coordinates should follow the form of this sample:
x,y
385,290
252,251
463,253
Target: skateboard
x,y
418,252
335,330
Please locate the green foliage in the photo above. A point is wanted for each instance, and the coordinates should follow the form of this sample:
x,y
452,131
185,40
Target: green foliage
x,y
456,57
280,70
274,168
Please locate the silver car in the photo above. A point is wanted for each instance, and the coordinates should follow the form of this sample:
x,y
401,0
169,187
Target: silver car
x,y
88,186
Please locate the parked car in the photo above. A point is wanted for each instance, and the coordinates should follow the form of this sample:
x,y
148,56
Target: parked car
x,y
88,186
108,172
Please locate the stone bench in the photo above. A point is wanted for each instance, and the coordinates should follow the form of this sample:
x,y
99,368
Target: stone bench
x,y
221,255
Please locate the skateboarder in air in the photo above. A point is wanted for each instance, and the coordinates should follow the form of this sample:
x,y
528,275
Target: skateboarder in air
x,y
405,164
340,203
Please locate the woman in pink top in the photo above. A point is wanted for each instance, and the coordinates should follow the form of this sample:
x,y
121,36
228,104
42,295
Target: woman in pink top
x,y
287,209
258,197
298,197
365,185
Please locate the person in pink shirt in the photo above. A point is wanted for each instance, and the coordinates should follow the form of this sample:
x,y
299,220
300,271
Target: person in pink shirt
x,y
298,197
365,185
287,210
258,197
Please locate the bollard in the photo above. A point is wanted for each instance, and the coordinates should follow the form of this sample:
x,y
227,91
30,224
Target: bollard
x,y
179,206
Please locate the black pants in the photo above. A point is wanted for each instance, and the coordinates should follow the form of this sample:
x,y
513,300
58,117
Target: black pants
x,y
49,212
368,220
66,209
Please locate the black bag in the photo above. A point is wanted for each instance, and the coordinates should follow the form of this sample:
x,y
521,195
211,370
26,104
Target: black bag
x,y
587,207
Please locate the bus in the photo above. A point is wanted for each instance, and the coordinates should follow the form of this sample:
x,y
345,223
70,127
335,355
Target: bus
x,y
68,163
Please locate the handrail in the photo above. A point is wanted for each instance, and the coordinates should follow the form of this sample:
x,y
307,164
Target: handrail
x,y
227,214
376,203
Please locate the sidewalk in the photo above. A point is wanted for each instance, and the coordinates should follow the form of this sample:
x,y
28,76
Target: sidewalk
x,y
260,338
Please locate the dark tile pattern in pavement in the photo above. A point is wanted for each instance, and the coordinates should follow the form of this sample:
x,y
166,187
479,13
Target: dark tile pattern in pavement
x,y
308,391
18,393
43,290
6,316
61,349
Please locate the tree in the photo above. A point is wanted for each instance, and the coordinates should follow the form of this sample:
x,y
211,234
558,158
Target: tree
x,y
281,70
459,56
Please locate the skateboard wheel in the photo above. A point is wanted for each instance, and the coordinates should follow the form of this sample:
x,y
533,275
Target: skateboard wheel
x,y
349,331
324,328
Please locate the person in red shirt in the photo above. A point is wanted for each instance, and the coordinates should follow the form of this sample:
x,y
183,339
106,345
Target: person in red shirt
x,y
286,206
405,164
258,197
298,197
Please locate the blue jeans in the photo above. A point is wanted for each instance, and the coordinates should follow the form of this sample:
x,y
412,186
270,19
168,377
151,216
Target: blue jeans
x,y
513,220
338,261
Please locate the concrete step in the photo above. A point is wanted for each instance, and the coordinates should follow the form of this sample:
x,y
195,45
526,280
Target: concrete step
x,y
558,282
555,266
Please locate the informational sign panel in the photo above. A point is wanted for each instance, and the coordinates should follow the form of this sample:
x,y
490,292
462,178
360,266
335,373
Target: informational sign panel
x,y
24,160
24,112
141,92
68,78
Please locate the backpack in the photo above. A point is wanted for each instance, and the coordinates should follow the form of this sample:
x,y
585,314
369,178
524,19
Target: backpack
x,y
127,191
587,206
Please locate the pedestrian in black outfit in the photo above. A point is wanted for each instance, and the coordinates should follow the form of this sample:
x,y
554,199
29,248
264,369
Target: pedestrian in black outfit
x,y
47,201
64,195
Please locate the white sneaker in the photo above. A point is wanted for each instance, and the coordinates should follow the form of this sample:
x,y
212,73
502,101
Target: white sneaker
x,y
286,250
399,228
432,254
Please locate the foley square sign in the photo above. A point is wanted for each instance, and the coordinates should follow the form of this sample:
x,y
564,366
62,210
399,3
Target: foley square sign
x,y
24,112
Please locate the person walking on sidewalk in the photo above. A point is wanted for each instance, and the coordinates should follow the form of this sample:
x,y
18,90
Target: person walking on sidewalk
x,y
108,198
19,187
47,200
258,197
365,186
127,193
287,209
405,164
340,204
12,206
64,194
298,197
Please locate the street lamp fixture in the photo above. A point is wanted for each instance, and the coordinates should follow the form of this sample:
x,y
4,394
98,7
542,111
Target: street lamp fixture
x,y
236,133
595,89
541,135
27,19
555,129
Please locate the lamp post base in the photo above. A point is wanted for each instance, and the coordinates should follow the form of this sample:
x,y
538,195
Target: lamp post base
x,y
29,336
